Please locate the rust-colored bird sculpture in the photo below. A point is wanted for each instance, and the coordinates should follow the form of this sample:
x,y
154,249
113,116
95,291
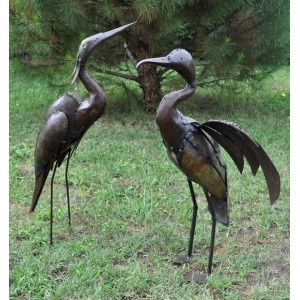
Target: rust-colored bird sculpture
x,y
66,122
194,148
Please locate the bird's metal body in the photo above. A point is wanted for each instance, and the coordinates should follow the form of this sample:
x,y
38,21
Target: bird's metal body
x,y
67,120
194,149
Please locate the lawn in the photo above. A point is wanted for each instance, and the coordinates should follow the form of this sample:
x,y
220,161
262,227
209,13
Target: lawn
x,y
131,208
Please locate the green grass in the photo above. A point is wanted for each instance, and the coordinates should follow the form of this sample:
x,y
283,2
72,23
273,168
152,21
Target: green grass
x,y
131,208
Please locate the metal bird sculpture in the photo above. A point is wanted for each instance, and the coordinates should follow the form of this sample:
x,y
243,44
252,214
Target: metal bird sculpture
x,y
194,148
66,122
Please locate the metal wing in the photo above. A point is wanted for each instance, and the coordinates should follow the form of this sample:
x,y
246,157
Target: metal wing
x,y
48,145
238,144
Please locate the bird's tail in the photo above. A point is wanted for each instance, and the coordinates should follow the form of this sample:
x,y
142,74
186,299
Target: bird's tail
x,y
39,184
219,208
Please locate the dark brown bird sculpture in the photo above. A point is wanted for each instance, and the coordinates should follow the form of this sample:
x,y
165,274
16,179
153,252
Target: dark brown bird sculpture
x,y
66,122
194,149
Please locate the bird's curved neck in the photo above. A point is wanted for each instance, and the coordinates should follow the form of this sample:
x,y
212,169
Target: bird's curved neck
x,y
168,118
97,95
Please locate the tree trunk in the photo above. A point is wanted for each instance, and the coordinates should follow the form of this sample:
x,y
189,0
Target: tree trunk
x,y
148,78
149,82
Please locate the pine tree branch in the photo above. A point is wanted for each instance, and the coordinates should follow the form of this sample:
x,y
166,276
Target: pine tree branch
x,y
113,73
45,63
130,55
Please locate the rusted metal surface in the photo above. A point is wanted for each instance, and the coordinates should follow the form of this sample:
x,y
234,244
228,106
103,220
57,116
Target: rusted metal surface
x,y
194,148
68,119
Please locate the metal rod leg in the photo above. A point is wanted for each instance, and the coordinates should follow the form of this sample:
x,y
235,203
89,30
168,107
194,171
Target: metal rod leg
x,y
67,187
194,276
194,219
212,244
182,259
202,278
213,234
51,205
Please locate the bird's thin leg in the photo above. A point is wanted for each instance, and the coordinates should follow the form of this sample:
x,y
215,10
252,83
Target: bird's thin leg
x,y
202,278
212,238
51,205
67,188
180,259
212,244
194,219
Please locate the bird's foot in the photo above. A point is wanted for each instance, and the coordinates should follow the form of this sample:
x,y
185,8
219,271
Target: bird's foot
x,y
193,276
181,259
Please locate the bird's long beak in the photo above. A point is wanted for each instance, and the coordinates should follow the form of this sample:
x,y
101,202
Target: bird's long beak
x,y
88,45
160,61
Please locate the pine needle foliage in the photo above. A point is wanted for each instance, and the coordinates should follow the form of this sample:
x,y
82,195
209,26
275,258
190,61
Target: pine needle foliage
x,y
230,40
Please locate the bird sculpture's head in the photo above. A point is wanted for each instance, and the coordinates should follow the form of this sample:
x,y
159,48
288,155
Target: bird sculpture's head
x,y
179,60
88,45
